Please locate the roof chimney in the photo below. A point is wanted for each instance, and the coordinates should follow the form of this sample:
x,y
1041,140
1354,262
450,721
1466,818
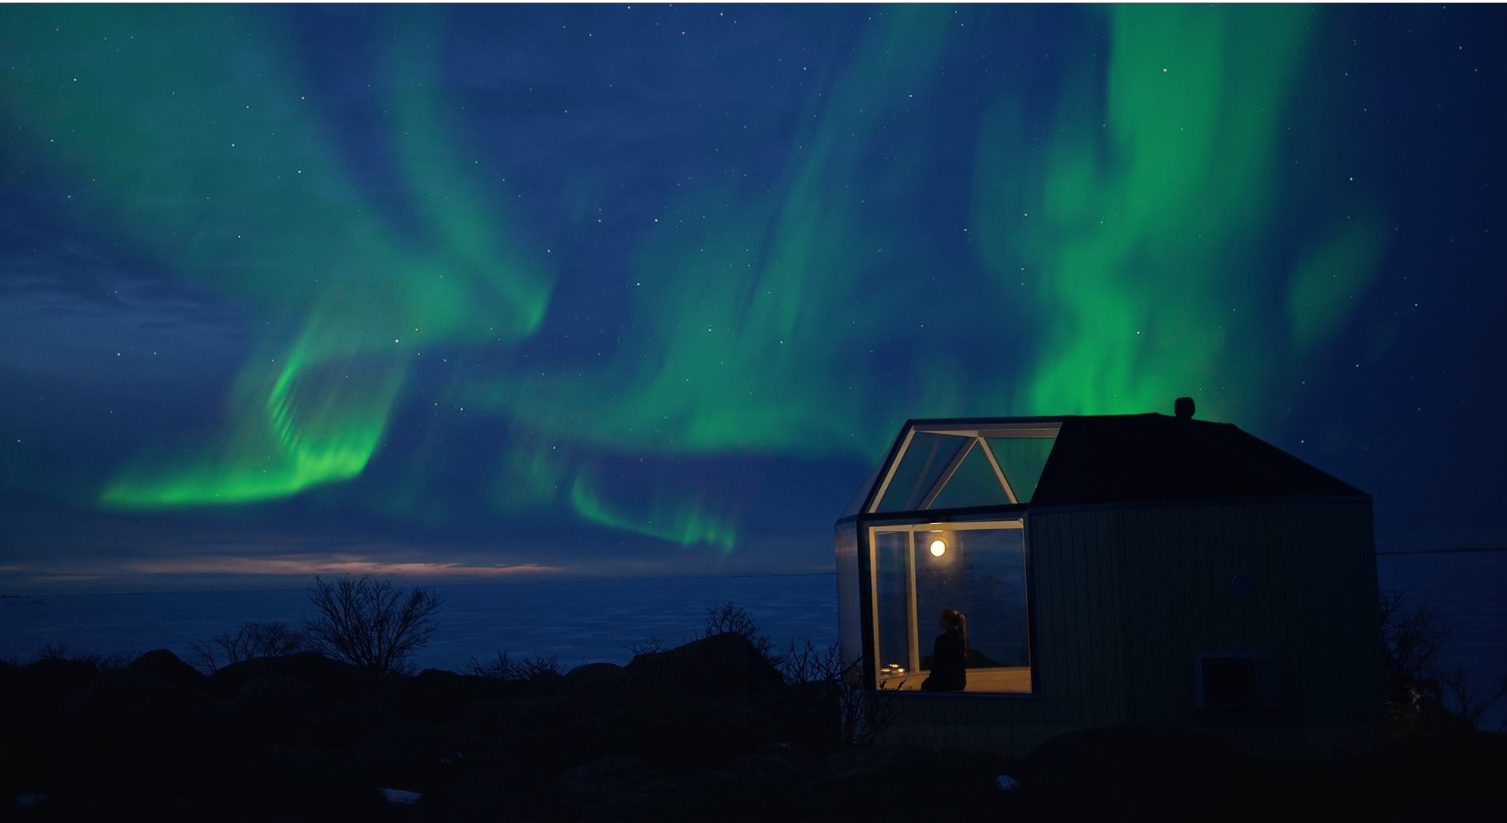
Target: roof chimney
x,y
1183,408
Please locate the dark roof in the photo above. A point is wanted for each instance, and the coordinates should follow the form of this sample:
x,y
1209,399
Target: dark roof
x,y
1154,457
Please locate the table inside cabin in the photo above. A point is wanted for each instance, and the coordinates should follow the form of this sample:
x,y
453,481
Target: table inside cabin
x,y
1004,680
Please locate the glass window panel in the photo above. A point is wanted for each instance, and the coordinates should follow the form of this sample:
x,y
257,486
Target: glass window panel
x,y
973,484
849,612
856,503
923,463
982,573
892,598
1022,459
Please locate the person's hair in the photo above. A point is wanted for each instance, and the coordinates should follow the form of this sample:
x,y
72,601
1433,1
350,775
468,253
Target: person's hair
x,y
954,619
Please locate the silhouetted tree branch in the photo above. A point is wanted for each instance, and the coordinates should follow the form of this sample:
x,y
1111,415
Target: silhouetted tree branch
x,y
652,645
862,714
1424,695
1470,701
57,650
736,619
1414,639
274,639
503,667
370,623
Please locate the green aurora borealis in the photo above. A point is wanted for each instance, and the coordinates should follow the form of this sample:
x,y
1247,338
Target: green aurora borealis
x,y
921,211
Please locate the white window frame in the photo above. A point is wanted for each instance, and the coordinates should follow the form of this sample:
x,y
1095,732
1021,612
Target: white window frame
x,y
912,623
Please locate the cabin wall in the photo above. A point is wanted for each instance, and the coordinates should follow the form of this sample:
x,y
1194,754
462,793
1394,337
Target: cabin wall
x,y
1311,566
1341,657
1124,600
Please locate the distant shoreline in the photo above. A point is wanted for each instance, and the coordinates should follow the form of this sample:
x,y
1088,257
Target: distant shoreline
x,y
1462,550
279,586
419,581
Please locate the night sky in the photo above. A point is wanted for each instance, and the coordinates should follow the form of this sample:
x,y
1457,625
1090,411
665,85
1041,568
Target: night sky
x,y
642,290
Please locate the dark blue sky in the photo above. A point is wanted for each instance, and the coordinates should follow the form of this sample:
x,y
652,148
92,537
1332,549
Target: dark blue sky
x,y
633,290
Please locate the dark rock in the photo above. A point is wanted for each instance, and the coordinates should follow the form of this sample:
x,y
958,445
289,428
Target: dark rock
x,y
289,710
545,682
320,673
723,667
601,683
776,767
903,782
166,666
607,777
856,763
673,733
52,676
219,725
438,684
522,715
409,752
126,736
439,696
483,797
275,694
810,712
124,692
304,784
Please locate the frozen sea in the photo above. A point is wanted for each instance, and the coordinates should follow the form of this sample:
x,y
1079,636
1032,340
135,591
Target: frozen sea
x,y
578,621
583,621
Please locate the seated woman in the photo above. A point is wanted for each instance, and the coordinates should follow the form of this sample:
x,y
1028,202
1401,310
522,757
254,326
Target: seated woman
x,y
949,655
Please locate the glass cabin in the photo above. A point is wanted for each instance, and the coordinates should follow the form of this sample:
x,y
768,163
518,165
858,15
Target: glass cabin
x,y
941,524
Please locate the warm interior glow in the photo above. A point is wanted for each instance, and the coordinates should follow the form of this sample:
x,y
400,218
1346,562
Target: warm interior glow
x,y
938,548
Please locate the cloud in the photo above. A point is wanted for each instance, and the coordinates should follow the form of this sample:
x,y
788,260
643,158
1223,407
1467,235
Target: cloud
x,y
306,566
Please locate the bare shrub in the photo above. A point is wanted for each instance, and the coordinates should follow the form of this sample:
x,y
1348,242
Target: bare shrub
x,y
113,660
1422,689
809,664
537,665
273,639
652,645
862,714
736,619
370,623
1470,702
1414,638
57,650
503,667
866,713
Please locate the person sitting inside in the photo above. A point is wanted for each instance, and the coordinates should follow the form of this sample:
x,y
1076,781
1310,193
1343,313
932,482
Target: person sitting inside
x,y
949,655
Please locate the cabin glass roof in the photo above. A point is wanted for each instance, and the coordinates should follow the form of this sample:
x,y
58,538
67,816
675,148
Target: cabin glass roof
x,y
973,484
927,458
944,465
1022,459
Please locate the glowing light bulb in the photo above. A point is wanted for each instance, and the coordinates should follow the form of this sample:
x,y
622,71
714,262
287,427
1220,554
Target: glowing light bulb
x,y
938,548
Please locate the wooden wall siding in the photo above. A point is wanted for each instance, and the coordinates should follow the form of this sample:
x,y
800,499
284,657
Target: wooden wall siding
x,y
1313,569
1124,600
1341,617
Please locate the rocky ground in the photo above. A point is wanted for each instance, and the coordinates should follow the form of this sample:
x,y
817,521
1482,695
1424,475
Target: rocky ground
x,y
706,731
